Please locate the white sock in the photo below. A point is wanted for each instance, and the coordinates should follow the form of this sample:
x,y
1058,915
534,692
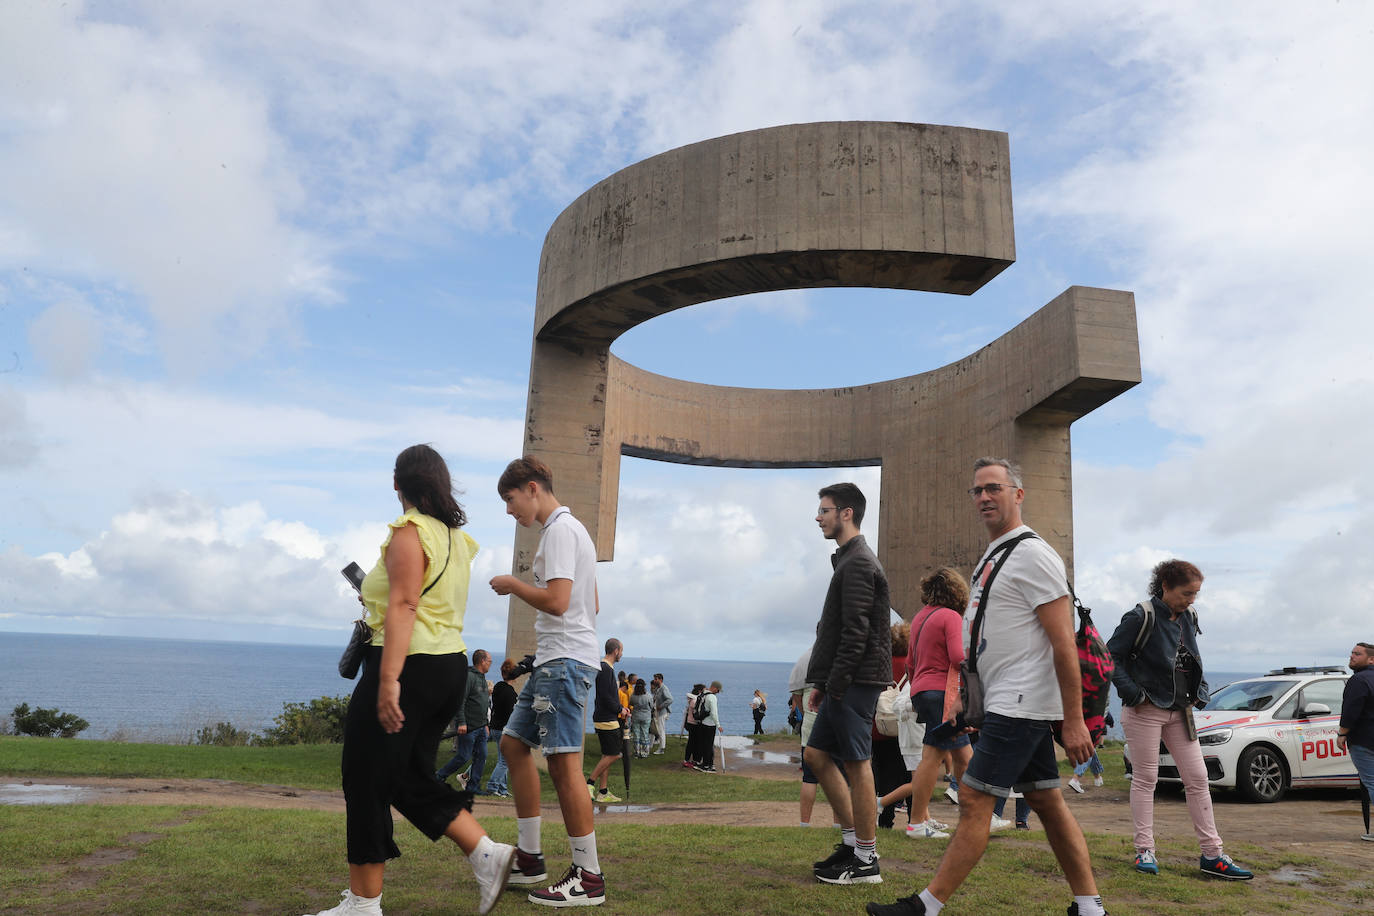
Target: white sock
x,y
527,829
866,851
584,853
933,906
1090,906
847,836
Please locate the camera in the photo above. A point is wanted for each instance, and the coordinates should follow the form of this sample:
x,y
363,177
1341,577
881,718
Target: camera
x,y
525,665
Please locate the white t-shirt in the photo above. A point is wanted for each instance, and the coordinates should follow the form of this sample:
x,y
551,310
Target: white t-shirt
x,y
1016,660
566,551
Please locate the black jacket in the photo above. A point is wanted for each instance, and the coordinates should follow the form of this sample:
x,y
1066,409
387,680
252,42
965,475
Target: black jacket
x,y
1357,708
853,639
1150,676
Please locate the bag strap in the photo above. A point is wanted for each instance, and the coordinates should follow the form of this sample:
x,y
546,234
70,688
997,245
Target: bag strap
x,y
1147,623
1085,618
442,571
1005,551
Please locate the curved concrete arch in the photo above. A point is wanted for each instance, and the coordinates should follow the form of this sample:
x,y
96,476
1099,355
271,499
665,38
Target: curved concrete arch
x,y
835,204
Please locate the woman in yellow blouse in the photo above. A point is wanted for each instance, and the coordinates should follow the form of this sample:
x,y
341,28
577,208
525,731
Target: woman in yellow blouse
x,y
412,682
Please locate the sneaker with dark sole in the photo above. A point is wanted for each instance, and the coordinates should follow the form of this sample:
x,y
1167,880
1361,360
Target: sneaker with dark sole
x,y
905,906
1223,867
842,853
529,868
851,872
576,888
1073,910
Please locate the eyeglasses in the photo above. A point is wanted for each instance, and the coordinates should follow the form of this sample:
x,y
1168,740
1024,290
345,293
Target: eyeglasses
x,y
824,509
992,488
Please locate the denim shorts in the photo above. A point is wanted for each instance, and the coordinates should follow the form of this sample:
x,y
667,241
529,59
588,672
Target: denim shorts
x,y
930,708
845,729
1012,754
549,711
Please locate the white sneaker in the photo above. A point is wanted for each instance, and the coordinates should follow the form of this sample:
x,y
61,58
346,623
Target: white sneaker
x,y
936,824
353,905
1075,785
999,823
491,865
1097,781
924,831
952,794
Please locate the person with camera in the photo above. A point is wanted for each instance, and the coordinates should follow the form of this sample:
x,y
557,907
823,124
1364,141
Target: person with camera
x,y
1159,684
412,683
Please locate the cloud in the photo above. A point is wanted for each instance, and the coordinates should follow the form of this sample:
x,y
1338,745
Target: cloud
x,y
18,436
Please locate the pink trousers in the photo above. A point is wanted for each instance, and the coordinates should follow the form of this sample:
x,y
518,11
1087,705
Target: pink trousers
x,y
1145,726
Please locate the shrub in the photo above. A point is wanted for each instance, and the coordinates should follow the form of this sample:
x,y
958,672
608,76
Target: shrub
x,y
321,721
224,734
47,723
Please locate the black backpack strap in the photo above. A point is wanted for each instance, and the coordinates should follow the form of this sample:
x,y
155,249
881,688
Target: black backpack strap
x,y
442,571
973,633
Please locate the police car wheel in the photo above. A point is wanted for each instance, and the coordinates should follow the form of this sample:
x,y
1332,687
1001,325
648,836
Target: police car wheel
x,y
1261,774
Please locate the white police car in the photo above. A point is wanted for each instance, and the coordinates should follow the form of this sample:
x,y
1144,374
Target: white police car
x,y
1264,735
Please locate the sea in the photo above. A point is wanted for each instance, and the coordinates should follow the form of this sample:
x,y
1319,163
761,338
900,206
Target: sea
x,y
167,690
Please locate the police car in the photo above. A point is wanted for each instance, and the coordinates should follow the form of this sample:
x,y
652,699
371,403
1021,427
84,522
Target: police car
x,y
1268,734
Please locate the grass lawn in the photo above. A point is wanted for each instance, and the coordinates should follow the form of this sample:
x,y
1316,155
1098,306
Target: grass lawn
x,y
97,859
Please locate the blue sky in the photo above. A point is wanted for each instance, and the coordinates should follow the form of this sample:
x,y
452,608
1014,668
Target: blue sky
x,y
249,252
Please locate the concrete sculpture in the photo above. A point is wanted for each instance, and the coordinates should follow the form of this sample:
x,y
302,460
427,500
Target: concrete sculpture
x,y
867,204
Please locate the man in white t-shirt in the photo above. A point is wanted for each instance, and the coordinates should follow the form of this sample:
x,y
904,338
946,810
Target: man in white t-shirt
x,y
549,711
1028,662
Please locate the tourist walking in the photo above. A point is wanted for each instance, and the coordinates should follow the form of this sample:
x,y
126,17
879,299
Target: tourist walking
x,y
641,714
891,772
470,725
566,656
759,707
1021,639
1159,684
502,702
412,681
1355,734
851,663
610,735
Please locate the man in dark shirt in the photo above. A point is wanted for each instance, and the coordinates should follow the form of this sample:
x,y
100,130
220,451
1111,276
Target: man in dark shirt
x,y
502,702
1355,735
606,723
471,724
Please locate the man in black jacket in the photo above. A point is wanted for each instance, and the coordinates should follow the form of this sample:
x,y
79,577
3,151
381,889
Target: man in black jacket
x,y
851,663
471,724
1355,734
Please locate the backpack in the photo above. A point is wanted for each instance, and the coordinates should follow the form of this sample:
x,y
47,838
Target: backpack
x,y
1147,625
700,709
1095,672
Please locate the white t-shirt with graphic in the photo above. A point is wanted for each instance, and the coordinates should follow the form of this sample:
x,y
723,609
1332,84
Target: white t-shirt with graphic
x,y
1016,661
566,551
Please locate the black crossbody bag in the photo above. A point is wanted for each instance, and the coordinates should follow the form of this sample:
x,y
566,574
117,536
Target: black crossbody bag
x,y
971,694
356,650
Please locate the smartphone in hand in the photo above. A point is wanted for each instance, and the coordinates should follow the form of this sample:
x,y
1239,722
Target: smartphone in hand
x,y
355,575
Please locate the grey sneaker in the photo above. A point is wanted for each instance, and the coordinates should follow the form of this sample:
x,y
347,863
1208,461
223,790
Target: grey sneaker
x,y
492,869
351,904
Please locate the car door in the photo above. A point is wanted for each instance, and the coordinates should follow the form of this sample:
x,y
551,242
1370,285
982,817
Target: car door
x,y
1319,757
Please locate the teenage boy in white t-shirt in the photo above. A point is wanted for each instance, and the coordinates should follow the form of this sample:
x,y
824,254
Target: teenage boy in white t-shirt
x,y
548,714
1028,662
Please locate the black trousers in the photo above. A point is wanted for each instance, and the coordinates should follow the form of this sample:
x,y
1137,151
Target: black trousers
x,y
381,770
701,744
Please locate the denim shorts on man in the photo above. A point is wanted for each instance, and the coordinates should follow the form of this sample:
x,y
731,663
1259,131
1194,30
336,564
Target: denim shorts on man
x,y
930,709
548,713
845,729
1012,754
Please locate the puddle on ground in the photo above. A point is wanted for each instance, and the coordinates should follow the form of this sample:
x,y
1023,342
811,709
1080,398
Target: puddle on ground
x,y
624,809
30,794
1290,875
743,750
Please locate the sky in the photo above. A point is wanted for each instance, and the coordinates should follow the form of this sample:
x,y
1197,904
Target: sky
x,y
250,251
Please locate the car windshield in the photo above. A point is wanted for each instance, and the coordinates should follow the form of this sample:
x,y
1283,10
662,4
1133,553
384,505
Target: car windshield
x,y
1249,696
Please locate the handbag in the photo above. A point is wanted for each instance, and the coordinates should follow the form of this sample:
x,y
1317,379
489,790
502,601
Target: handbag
x,y
890,702
971,692
361,638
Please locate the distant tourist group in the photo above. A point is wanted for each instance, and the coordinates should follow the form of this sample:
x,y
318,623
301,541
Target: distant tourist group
x,y
989,677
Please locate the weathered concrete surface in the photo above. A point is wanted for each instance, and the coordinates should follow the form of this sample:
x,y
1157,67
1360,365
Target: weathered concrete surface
x,y
904,206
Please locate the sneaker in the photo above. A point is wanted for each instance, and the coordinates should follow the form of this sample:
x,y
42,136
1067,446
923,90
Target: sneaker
x,y
492,870
905,906
1075,785
1097,782
952,793
998,823
351,904
1022,825
842,853
1223,867
591,789
688,764
499,793
936,824
1145,861
1073,910
575,888
1368,836
529,868
925,831
851,872
605,797
708,768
